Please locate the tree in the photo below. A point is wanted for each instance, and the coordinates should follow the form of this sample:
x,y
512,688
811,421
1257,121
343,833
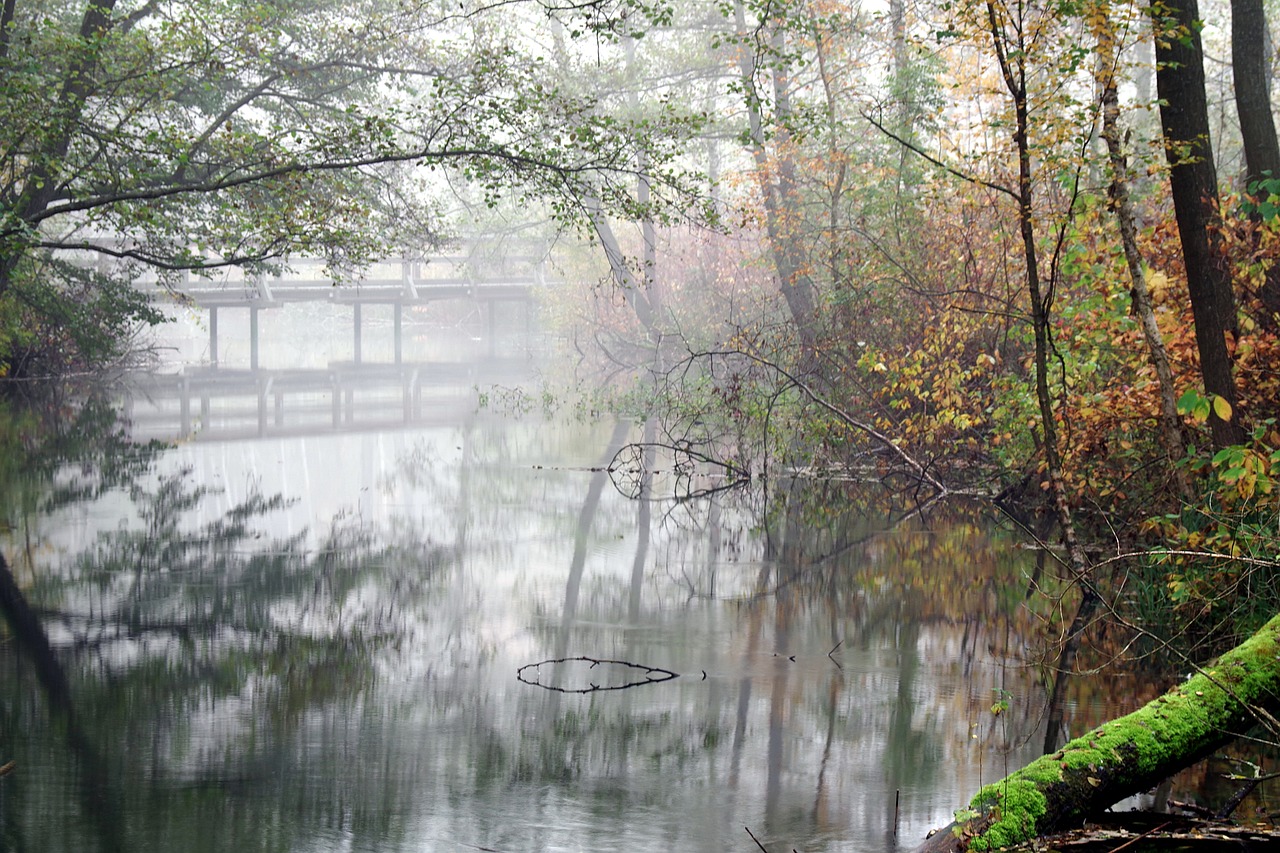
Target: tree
x,y
1122,204
1014,33
763,52
1251,76
194,136
1125,756
1193,181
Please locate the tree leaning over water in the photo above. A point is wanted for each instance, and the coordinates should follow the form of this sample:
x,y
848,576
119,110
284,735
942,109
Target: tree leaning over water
x,y
183,137
1118,759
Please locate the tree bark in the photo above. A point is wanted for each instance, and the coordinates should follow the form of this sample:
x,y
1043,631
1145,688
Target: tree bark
x,y
1184,118
1122,205
43,179
1125,756
6,23
1250,75
1253,100
1011,55
778,185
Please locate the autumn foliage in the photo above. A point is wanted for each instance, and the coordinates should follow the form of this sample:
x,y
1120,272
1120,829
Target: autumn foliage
x,y
898,180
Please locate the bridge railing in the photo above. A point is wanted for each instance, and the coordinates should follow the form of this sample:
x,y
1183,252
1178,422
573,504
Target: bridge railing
x,y
394,279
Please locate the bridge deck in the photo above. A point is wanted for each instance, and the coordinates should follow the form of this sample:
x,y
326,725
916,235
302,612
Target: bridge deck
x,y
369,292
398,281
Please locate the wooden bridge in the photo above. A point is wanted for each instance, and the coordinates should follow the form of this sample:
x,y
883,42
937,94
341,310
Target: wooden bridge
x,y
398,282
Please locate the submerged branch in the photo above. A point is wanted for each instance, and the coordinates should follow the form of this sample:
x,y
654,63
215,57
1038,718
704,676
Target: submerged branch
x,y
921,471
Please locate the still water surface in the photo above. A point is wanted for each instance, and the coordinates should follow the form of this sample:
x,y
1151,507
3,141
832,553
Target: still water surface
x,y
300,630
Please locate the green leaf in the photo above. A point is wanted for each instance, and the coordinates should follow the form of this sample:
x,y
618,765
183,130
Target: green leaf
x,y
1221,407
1189,401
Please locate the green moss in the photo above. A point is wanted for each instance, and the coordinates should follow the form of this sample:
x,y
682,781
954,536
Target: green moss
x,y
1193,712
1135,748
1018,803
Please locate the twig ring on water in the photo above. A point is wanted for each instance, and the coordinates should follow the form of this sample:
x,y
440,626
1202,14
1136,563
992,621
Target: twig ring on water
x,y
626,675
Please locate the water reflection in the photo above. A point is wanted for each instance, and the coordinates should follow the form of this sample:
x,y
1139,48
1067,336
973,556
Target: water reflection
x,y
312,644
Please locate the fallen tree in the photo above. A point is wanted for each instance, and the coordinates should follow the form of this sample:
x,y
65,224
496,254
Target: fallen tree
x,y
1125,756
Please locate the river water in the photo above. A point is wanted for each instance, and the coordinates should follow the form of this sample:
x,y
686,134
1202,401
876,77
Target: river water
x,y
298,625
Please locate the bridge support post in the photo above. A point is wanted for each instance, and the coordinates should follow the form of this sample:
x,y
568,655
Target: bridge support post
x,y
399,329
253,337
355,314
213,335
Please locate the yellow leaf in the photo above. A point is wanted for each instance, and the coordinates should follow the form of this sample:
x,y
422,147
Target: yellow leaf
x,y
1221,408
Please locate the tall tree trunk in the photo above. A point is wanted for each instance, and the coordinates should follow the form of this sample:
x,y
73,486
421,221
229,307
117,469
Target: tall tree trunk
x,y
1014,74
43,179
633,289
1125,756
1250,70
1010,54
837,166
1122,204
6,24
779,194
1184,118
648,231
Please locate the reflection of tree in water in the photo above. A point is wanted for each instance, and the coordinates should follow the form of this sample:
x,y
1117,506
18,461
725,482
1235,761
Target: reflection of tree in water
x,y
55,455
196,663
764,585
225,580
485,471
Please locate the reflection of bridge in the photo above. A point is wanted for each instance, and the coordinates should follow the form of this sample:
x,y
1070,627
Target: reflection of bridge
x,y
396,281
210,404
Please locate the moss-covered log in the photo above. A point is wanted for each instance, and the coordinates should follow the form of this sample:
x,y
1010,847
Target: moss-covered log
x,y
1125,756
